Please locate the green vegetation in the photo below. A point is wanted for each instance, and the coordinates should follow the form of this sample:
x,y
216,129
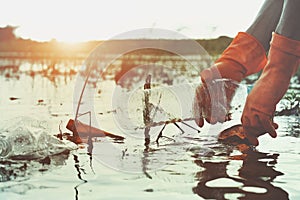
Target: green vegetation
x,y
291,103
213,46
33,49
11,46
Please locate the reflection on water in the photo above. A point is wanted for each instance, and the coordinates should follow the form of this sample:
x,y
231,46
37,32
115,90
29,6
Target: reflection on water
x,y
253,180
294,127
20,170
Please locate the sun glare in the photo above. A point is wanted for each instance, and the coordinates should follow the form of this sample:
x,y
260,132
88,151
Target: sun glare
x,y
76,21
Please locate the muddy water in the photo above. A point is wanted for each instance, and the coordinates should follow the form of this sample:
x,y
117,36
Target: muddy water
x,y
187,165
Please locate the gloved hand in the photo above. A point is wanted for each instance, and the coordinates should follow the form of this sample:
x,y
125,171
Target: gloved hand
x,y
244,56
283,62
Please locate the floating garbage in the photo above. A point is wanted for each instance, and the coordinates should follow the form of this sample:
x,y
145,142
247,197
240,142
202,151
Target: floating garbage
x,y
235,136
80,129
26,138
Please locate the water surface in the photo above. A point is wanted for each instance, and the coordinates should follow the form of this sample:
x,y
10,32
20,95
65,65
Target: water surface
x,y
194,166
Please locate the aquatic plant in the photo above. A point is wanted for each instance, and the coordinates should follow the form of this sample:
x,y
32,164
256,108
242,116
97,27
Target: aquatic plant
x,y
290,104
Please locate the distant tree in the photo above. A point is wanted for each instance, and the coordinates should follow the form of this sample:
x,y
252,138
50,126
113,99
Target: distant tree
x,y
215,46
7,33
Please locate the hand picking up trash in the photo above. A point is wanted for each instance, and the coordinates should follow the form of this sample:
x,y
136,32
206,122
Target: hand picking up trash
x,y
276,31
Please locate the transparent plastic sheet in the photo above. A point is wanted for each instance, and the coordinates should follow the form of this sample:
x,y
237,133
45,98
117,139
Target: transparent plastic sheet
x,y
112,94
25,138
168,105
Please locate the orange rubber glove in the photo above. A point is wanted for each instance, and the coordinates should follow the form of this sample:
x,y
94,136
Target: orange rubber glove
x,y
244,56
283,62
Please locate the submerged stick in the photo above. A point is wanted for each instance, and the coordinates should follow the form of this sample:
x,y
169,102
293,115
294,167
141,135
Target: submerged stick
x,y
146,111
161,123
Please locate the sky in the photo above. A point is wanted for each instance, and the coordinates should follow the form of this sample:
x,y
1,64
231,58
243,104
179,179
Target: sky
x,y
84,20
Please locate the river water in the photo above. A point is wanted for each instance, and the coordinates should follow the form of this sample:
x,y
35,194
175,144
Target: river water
x,y
190,165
